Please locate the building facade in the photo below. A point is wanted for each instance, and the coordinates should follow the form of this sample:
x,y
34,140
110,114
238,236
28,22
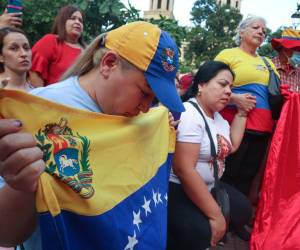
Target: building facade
x,y
160,7
232,3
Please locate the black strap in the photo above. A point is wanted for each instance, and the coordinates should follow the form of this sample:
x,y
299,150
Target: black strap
x,y
267,64
212,146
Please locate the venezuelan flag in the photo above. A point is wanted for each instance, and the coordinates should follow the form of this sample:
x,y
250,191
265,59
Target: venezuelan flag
x,y
106,181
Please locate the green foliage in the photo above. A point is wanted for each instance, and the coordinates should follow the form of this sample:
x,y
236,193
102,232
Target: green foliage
x,y
99,15
266,49
178,33
214,30
104,15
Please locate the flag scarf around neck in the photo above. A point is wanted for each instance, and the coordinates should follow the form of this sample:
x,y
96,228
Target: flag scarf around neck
x,y
106,180
277,222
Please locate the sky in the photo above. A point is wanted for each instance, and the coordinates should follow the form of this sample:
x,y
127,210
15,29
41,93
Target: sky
x,y
276,12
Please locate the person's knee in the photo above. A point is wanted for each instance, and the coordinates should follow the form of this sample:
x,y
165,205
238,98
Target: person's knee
x,y
188,236
242,212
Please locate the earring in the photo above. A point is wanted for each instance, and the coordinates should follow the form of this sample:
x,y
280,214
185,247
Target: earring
x,y
199,92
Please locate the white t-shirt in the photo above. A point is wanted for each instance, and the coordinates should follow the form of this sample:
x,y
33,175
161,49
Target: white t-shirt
x,y
191,129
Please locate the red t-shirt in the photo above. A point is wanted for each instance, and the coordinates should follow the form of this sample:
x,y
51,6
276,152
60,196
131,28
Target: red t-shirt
x,y
51,58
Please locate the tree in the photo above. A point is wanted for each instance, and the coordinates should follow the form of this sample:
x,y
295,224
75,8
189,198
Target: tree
x,y
178,33
100,16
214,30
266,49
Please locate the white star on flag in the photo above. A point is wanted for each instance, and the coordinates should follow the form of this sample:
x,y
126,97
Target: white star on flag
x,y
146,206
159,197
137,219
166,197
154,196
132,241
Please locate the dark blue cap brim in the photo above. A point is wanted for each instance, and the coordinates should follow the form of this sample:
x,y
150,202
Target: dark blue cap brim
x,y
166,92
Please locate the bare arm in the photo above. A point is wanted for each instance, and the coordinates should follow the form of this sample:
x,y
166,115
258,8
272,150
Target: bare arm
x,y
237,129
20,165
184,163
17,216
35,79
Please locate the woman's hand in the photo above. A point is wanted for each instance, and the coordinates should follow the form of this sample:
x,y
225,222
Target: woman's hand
x,y
172,122
10,19
21,161
218,228
246,101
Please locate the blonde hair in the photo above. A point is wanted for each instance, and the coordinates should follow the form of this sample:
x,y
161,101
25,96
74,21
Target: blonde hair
x,y
91,58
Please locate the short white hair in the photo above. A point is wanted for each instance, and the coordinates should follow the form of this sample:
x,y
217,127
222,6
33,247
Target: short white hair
x,y
245,24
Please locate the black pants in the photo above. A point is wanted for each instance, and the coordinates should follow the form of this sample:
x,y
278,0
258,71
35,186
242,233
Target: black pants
x,y
242,166
188,227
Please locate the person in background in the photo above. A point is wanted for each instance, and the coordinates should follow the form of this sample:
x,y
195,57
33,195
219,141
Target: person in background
x,y
195,220
15,59
11,19
15,62
250,89
286,63
288,58
184,82
54,53
113,76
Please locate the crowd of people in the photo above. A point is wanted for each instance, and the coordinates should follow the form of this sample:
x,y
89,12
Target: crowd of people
x,y
113,76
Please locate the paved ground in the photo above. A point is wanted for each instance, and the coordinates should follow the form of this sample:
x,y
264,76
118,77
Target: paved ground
x,y
233,243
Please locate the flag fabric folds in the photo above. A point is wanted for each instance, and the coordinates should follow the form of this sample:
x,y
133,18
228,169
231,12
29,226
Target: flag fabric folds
x,y
277,223
106,180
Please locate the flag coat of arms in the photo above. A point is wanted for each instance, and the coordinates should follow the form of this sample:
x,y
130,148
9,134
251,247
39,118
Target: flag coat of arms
x,y
106,179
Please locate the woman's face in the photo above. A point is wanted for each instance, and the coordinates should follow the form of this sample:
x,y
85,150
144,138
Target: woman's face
x,y
128,93
16,53
254,34
74,25
215,94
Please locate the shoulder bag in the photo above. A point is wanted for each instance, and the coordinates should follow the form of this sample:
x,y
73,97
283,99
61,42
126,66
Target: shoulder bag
x,y
218,192
275,97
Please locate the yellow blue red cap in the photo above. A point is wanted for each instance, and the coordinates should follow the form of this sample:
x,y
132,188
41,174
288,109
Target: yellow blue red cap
x,y
290,39
153,51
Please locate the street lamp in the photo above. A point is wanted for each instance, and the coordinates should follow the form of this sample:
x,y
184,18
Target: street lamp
x,y
296,17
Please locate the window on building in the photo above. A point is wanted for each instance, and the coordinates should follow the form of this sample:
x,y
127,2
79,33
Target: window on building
x,y
228,2
159,4
168,3
237,4
151,5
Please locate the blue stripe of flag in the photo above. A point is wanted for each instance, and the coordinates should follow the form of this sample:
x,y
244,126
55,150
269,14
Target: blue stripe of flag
x,y
138,222
256,89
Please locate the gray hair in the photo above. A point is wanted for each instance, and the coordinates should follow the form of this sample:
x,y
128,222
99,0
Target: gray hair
x,y
91,57
245,24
